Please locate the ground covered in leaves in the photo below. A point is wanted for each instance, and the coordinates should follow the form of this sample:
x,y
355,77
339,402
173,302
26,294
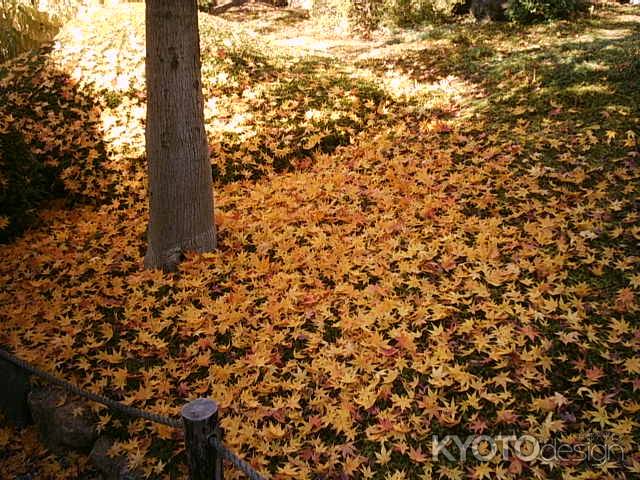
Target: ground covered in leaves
x,y
432,232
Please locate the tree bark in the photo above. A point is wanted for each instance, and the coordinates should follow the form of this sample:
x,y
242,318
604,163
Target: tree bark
x,y
180,184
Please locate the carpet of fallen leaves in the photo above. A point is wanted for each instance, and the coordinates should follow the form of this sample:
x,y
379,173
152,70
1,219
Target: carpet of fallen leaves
x,y
429,234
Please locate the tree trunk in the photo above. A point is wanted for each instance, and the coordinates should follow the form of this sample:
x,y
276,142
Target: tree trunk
x,y
181,192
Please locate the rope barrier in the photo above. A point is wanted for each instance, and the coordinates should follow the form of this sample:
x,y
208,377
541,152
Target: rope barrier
x,y
236,461
70,387
227,454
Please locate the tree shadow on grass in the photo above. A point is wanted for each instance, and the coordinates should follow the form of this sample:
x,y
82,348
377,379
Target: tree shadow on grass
x,y
558,70
269,18
609,64
485,53
301,108
308,106
582,86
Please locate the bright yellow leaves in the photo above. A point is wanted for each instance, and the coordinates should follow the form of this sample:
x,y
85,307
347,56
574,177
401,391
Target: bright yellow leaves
x,y
632,365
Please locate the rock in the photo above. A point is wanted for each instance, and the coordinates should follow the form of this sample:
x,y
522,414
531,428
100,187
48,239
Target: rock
x,y
111,468
489,9
14,383
62,422
302,4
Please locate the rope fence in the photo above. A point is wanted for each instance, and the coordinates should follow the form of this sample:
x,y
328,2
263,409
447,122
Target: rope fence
x,y
203,436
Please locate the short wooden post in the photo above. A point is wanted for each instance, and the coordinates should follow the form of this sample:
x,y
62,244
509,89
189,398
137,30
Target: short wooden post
x,y
200,419
15,386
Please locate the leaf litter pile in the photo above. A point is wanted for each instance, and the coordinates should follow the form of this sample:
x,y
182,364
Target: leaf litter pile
x,y
437,237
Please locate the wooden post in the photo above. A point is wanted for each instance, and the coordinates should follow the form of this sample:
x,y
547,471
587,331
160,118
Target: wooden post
x,y
200,418
15,386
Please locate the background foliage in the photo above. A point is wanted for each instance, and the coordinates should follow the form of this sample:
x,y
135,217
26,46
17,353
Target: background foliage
x,y
371,14
23,26
27,24
528,11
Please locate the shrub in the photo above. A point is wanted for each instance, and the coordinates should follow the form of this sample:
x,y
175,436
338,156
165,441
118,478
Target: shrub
x,y
22,27
366,14
414,12
207,5
24,184
371,14
529,11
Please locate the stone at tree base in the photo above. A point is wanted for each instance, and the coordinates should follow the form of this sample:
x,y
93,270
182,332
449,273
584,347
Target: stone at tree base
x,y
303,4
111,468
14,385
62,421
489,9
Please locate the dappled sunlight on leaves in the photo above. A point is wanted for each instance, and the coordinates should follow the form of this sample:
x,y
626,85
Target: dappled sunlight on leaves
x,y
388,268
